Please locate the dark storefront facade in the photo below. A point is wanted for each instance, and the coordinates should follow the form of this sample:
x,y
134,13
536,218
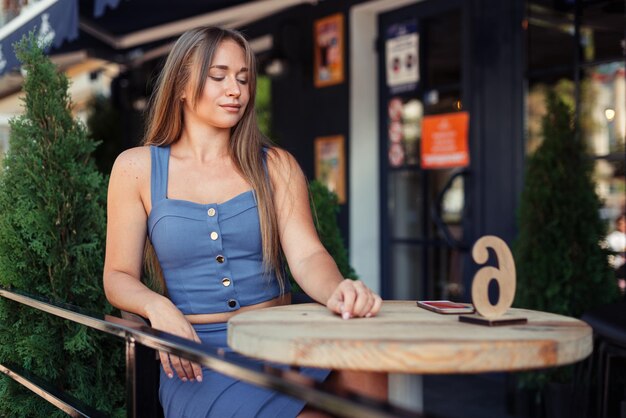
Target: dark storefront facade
x,y
409,228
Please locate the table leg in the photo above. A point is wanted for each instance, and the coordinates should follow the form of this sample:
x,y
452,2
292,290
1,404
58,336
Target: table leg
x,y
405,390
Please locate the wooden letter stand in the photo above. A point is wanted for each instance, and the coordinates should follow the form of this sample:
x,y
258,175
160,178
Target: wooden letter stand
x,y
486,313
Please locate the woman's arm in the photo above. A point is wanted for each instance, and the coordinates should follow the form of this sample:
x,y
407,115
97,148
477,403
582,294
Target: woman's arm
x,y
311,265
126,236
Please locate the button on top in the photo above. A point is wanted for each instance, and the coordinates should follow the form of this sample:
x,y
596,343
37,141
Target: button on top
x,y
220,259
226,282
232,303
211,212
214,235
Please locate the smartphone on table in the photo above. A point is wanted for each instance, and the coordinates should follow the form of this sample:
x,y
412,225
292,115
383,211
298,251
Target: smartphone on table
x,y
446,306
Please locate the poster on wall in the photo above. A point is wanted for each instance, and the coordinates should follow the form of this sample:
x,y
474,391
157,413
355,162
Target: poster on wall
x,y
328,49
445,140
402,57
404,125
330,165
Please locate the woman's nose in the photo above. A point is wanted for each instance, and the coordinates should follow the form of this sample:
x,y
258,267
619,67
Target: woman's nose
x,y
232,88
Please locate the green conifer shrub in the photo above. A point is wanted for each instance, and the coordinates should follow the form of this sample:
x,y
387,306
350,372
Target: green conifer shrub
x,y
52,229
561,266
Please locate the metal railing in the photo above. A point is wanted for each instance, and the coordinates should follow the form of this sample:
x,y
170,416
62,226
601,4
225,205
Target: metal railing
x,y
139,337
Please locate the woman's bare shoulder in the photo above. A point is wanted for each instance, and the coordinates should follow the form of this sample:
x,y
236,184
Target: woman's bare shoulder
x,y
134,162
281,160
284,170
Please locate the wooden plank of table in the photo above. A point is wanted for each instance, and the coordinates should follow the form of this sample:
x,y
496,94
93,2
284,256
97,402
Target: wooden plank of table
x,y
403,338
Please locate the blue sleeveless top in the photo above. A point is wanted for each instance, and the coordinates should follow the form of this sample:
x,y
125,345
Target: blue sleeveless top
x,y
210,255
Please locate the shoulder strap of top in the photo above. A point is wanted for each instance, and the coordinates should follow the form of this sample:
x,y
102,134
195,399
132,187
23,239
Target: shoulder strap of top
x,y
158,177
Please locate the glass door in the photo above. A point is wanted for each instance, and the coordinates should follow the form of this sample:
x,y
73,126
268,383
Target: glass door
x,y
421,55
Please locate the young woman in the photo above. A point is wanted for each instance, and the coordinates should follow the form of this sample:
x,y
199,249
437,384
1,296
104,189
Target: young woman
x,y
219,206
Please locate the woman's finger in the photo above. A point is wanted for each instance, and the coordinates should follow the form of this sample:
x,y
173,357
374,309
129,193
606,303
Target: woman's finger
x,y
197,371
335,301
362,299
178,367
165,362
378,303
348,297
196,368
333,304
188,369
368,305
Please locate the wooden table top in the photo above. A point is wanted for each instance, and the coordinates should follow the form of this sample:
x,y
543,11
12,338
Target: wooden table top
x,y
406,339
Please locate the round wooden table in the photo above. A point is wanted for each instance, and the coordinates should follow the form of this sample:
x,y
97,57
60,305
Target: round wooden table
x,y
404,338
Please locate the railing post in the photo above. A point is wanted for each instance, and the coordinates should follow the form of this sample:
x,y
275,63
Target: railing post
x,y
131,377
142,381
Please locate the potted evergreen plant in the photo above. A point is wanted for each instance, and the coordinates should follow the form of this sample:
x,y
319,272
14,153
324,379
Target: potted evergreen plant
x,y
561,266
52,229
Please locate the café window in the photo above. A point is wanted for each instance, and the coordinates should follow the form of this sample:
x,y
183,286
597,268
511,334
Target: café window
x,y
578,48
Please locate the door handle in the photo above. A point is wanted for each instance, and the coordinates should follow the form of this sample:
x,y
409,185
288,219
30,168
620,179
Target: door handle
x,y
435,212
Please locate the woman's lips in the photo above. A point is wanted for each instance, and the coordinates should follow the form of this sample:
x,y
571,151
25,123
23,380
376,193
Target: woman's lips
x,y
232,107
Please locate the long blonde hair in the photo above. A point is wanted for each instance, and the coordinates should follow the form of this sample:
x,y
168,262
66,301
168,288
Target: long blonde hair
x,y
188,65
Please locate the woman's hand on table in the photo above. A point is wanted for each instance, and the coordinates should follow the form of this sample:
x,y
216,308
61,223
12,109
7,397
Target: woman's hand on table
x,y
170,319
351,298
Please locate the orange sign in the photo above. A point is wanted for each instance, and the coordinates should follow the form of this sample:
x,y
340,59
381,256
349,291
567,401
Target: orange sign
x,y
444,140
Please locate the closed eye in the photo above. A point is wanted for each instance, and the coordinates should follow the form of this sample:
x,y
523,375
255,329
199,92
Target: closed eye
x,y
239,80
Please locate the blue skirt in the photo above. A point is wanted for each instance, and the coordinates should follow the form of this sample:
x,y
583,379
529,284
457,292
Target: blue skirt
x,y
221,396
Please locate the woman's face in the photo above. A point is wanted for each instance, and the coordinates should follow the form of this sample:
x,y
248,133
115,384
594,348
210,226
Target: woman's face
x,y
226,90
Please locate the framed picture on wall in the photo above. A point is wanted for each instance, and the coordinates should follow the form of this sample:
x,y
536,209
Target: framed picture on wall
x,y
329,50
330,164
